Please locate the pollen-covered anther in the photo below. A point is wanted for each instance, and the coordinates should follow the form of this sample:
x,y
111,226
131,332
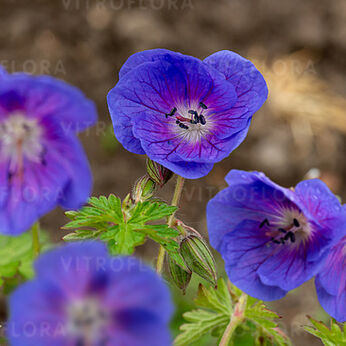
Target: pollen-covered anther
x,y
87,320
20,138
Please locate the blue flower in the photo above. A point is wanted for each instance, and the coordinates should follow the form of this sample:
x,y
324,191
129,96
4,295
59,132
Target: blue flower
x,y
184,113
82,296
331,282
273,239
42,163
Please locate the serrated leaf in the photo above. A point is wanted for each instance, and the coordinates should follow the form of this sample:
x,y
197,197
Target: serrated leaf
x,y
123,225
265,320
330,337
201,321
218,307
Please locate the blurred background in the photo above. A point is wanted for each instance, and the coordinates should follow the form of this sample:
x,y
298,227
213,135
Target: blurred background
x,y
299,46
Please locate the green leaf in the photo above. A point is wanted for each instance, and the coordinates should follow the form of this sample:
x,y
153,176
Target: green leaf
x,y
265,321
216,307
16,258
123,225
330,337
215,312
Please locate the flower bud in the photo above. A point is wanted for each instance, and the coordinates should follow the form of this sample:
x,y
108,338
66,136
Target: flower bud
x,y
180,276
159,174
198,258
143,190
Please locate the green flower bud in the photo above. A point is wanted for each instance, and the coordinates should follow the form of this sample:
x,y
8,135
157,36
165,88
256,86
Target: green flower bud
x,y
143,190
180,276
159,174
198,258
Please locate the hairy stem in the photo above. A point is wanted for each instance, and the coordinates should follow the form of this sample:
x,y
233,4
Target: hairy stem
x,y
237,317
175,201
35,231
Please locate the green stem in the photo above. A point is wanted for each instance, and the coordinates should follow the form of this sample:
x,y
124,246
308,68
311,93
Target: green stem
x,y
238,316
35,230
175,201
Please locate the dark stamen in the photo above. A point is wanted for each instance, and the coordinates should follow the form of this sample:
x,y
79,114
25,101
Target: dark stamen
x,y
282,230
202,119
296,223
288,235
292,237
265,221
282,240
183,126
171,113
177,122
275,241
192,112
203,105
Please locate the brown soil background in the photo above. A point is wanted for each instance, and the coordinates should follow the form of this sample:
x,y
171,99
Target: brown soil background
x,y
86,42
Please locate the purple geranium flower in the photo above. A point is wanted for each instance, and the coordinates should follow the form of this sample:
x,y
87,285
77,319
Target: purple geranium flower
x,y
331,282
42,163
81,296
273,239
184,113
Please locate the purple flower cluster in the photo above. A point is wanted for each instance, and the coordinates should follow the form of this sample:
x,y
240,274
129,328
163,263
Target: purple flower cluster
x,y
184,113
42,163
274,239
82,296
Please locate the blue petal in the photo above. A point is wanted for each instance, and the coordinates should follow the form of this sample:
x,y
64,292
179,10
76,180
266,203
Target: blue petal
x,y
335,306
78,189
249,84
320,204
45,96
250,195
37,315
74,267
243,251
3,72
140,58
129,274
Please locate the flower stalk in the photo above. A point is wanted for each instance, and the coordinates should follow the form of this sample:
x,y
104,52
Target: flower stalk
x,y
175,201
237,317
36,247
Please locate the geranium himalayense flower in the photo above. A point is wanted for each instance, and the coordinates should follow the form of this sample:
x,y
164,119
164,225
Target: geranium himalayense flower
x,y
331,282
184,113
82,296
273,239
42,163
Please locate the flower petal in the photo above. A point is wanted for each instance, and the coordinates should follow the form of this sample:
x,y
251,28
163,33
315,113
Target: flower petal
x,y
249,84
250,196
140,58
243,251
45,96
37,316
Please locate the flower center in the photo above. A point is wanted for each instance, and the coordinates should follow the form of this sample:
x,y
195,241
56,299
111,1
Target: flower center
x,y
20,138
288,228
87,321
191,123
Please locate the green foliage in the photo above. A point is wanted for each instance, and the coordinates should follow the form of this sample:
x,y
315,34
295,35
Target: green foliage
x,y
330,337
16,259
123,225
215,309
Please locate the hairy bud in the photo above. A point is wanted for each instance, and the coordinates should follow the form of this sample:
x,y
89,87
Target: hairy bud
x,y
143,190
159,174
198,258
